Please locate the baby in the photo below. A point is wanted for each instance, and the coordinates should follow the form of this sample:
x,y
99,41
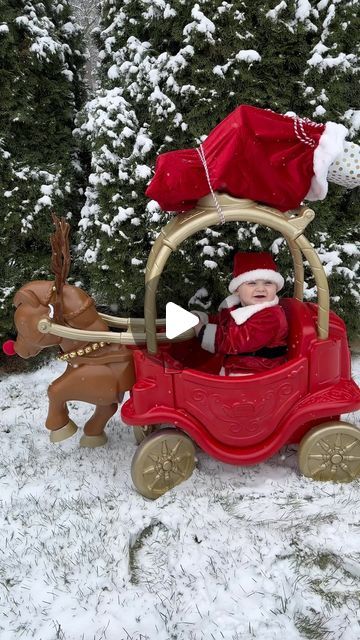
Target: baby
x,y
250,330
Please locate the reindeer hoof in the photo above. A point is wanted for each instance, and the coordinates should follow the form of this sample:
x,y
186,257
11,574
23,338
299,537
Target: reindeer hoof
x,y
64,432
93,441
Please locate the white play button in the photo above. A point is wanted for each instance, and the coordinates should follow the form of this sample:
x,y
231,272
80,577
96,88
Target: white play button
x,y
178,320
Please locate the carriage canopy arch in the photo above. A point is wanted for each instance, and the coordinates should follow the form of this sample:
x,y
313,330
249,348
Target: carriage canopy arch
x,y
290,224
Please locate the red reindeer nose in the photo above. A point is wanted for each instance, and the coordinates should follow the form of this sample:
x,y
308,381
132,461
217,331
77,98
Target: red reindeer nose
x,y
8,348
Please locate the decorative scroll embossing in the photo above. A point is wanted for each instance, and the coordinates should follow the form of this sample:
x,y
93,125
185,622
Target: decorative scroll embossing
x,y
199,395
340,393
247,413
250,427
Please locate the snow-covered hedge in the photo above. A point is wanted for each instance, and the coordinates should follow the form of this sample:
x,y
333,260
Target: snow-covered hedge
x,y
170,71
41,59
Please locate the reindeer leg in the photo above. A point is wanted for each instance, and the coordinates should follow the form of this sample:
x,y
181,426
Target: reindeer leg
x,y
94,435
57,421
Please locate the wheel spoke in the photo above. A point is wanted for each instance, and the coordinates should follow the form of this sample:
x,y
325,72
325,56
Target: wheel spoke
x,y
347,471
338,440
179,459
175,449
318,473
177,471
157,478
149,470
324,445
352,444
316,456
164,449
321,468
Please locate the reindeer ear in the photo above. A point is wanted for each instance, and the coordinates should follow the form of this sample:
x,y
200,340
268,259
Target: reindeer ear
x,y
26,297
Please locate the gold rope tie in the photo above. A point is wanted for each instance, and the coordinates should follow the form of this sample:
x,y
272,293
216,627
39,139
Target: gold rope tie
x,y
201,153
84,351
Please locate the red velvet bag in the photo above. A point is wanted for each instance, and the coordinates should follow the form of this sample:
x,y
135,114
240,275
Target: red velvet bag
x,y
253,153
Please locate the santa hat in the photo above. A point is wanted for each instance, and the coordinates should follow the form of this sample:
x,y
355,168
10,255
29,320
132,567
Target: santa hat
x,y
255,266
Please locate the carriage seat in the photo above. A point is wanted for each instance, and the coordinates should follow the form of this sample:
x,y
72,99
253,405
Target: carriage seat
x,y
302,330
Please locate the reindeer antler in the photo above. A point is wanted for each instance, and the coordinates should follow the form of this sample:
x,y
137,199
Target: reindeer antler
x,y
60,260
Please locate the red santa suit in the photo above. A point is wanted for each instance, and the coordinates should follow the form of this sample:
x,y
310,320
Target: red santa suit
x,y
252,338
253,153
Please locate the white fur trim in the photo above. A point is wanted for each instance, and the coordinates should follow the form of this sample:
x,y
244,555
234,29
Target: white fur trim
x,y
208,339
203,317
242,314
331,145
230,301
257,274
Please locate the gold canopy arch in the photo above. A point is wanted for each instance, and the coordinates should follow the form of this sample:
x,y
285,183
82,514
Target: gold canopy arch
x,y
290,224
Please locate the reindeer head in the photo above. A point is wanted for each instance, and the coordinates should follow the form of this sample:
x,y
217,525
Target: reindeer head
x,y
33,302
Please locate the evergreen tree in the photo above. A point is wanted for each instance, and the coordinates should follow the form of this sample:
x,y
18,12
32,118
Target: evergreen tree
x,y
175,69
40,64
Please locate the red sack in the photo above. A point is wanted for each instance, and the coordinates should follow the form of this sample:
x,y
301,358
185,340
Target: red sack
x,y
253,153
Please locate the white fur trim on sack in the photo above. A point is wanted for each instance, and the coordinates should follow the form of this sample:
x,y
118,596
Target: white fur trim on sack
x,y
331,145
208,339
257,274
242,314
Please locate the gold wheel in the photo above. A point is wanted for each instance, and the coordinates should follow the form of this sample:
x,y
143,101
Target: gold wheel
x,y
140,433
331,452
162,461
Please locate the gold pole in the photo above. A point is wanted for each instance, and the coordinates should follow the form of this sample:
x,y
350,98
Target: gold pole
x,y
298,269
128,323
45,325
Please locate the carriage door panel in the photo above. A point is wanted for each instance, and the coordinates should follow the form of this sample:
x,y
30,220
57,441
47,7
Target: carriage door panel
x,y
239,411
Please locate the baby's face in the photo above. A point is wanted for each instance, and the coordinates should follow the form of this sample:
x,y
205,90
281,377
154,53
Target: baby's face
x,y
256,291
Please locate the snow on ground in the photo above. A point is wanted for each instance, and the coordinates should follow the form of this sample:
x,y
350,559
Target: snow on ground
x,y
233,553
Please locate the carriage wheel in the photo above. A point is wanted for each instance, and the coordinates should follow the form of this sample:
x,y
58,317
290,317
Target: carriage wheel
x,y
162,460
331,452
140,433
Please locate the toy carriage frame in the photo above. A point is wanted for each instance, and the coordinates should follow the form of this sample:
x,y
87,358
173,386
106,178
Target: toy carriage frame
x,y
290,224
245,420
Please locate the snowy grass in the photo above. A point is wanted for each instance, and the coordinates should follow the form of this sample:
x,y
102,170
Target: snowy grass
x,y
233,553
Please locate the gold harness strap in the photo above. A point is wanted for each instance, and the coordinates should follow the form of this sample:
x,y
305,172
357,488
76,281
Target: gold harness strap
x,y
109,358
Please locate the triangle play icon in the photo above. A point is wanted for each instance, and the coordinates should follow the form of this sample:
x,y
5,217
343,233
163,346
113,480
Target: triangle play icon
x,y
178,320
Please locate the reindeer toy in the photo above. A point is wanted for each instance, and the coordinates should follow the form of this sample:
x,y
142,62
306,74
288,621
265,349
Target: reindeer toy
x,y
98,373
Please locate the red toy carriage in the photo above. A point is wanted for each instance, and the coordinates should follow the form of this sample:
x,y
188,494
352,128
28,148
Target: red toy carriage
x,y
244,420
238,420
